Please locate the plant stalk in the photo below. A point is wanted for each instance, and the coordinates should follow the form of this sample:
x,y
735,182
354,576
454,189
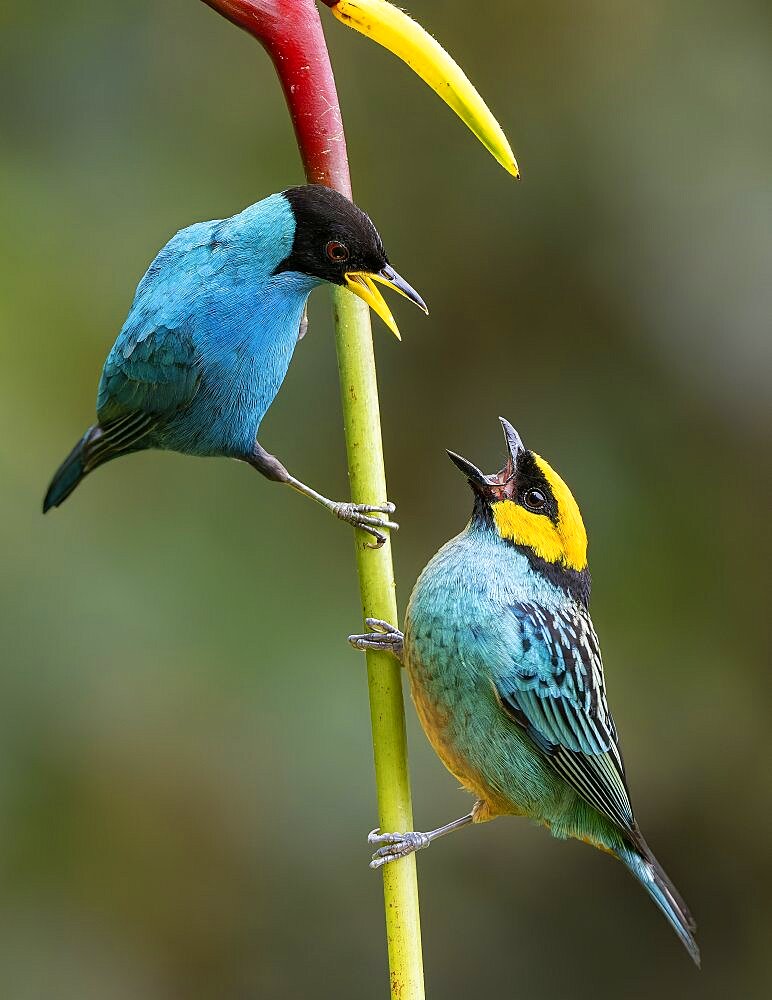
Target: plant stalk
x,y
291,32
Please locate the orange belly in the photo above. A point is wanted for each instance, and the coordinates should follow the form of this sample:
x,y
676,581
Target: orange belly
x,y
435,724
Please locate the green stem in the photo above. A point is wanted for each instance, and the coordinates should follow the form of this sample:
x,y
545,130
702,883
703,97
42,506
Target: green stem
x,y
361,417
291,33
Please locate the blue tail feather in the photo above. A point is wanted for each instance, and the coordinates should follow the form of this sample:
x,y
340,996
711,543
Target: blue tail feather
x,y
69,473
650,874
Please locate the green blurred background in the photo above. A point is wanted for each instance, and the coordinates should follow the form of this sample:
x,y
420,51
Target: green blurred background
x,y
185,768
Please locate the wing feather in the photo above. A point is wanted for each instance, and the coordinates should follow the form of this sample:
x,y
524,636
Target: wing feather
x,y
553,686
116,437
154,372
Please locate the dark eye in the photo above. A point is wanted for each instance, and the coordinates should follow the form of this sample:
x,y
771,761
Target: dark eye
x,y
337,251
534,500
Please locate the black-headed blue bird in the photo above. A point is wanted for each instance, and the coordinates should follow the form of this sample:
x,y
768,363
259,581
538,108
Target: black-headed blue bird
x,y
212,330
507,678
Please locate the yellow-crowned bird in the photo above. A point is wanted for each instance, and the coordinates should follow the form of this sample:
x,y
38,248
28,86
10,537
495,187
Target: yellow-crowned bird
x,y
506,674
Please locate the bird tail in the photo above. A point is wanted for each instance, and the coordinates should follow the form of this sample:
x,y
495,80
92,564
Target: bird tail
x,y
71,471
99,444
652,877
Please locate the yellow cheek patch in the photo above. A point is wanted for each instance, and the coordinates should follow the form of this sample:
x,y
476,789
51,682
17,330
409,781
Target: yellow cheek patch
x,y
564,542
534,530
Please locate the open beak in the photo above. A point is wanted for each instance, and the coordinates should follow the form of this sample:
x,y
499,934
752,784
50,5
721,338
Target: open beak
x,y
362,283
477,480
400,34
490,486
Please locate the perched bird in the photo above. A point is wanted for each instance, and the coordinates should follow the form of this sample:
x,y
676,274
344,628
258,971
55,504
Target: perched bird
x,y
211,333
506,674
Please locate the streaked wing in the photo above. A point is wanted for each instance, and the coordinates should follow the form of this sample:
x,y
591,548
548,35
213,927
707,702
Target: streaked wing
x,y
552,684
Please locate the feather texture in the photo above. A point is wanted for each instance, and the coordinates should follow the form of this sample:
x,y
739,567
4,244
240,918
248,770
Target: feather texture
x,y
556,691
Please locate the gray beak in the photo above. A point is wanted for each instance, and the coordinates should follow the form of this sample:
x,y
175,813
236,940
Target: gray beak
x,y
487,485
515,445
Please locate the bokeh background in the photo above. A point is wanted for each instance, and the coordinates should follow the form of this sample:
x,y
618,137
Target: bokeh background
x,y
186,775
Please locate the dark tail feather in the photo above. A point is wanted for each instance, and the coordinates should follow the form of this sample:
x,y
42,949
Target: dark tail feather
x,y
99,444
649,873
70,472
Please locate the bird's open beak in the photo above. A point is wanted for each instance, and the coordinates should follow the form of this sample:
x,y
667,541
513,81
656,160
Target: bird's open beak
x,y
477,479
396,31
362,283
490,486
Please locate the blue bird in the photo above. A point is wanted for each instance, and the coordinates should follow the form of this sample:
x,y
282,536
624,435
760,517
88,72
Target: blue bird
x,y
211,333
506,674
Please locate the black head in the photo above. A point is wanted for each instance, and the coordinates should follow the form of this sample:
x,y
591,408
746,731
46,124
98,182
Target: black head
x,y
335,241
332,236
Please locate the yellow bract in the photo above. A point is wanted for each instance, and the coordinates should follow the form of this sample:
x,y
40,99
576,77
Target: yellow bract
x,y
564,542
403,36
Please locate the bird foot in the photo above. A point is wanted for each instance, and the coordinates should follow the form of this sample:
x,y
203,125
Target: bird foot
x,y
384,638
357,514
396,845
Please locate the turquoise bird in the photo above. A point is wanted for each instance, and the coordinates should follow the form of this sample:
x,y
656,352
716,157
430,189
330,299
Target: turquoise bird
x,y
506,674
212,330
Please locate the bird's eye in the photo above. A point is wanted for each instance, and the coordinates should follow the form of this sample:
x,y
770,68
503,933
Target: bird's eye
x,y
534,500
336,251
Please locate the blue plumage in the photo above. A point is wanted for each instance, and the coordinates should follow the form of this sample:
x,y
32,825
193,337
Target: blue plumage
x,y
210,334
507,677
212,330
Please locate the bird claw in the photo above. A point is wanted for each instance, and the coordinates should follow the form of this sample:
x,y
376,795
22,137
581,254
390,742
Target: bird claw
x,y
384,637
395,845
357,514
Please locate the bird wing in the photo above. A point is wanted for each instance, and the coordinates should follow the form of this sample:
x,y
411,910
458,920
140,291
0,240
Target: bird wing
x,y
154,366
153,372
148,376
548,674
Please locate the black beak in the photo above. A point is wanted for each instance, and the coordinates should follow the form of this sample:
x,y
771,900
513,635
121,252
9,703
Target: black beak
x,y
477,479
472,473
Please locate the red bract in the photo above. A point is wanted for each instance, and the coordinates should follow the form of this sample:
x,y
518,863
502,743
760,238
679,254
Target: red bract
x,y
291,33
